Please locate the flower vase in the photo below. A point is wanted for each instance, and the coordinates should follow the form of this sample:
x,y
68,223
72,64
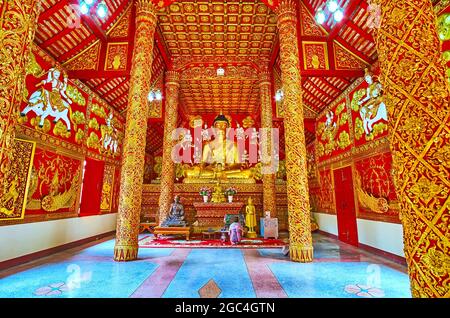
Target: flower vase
x,y
230,198
205,198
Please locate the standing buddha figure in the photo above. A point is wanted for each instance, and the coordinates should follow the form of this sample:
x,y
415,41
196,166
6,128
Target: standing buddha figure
x,y
250,219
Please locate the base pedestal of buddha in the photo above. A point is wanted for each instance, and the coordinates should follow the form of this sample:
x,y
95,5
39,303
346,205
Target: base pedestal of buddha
x,y
211,215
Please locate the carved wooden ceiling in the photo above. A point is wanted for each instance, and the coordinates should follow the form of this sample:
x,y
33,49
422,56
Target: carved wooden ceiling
x,y
205,34
216,28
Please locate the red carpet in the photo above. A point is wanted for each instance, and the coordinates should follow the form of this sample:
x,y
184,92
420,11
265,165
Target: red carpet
x,y
197,242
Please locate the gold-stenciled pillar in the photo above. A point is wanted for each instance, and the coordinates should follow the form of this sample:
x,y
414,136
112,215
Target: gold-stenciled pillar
x,y
301,248
269,193
132,174
417,99
18,23
172,84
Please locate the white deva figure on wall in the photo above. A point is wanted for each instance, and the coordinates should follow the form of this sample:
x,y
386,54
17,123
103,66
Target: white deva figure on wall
x,y
50,99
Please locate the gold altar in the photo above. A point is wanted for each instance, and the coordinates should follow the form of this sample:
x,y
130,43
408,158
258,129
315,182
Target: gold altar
x,y
211,215
189,195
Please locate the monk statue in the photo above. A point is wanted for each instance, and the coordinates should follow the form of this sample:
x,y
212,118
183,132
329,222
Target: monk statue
x,y
176,215
250,219
220,159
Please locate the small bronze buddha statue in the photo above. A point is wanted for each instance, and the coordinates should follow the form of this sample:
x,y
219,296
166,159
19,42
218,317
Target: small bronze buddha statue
x,y
176,215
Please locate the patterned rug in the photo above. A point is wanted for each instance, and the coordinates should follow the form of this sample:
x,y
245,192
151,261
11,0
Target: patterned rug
x,y
197,241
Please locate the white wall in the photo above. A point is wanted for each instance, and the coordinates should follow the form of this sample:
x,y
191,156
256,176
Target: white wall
x,y
22,239
327,222
381,235
384,236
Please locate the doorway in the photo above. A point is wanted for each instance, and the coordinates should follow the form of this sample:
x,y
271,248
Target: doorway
x,y
91,191
345,206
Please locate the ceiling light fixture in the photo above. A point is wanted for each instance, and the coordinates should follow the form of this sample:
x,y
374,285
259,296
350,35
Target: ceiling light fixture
x,y
330,9
101,7
102,10
84,7
320,16
338,15
332,5
220,71
154,95
279,95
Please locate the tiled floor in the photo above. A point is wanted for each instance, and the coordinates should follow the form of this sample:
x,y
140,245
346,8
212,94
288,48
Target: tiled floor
x,y
338,270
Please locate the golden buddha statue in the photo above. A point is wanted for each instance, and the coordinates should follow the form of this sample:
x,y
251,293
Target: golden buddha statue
x,y
250,219
218,195
221,160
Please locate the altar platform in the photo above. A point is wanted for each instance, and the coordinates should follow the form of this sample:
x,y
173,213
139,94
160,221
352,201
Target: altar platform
x,y
211,215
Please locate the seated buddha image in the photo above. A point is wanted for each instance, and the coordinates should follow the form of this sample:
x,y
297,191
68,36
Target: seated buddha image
x,y
221,159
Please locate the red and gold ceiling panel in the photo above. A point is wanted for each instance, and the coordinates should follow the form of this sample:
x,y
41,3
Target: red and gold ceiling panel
x,y
114,6
345,60
155,133
357,33
113,90
121,27
212,96
315,55
216,28
308,25
86,60
317,4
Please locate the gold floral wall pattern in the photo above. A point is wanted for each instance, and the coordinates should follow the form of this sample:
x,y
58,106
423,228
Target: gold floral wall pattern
x,y
414,78
18,20
16,180
107,189
333,131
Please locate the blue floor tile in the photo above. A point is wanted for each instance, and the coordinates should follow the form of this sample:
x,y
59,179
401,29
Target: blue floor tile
x,y
330,279
226,266
84,279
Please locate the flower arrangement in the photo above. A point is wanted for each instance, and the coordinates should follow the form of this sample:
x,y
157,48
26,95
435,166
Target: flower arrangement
x,y
231,191
205,191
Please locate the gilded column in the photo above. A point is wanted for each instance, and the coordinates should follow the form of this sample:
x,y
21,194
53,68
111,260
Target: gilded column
x,y
18,23
417,99
132,174
301,248
170,123
269,193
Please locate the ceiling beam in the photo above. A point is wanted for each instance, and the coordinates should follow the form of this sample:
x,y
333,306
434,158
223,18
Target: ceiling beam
x,y
86,19
333,73
115,89
314,98
360,31
346,45
331,86
162,50
76,49
275,52
348,12
119,97
86,75
319,89
118,12
313,14
103,84
52,10
56,37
